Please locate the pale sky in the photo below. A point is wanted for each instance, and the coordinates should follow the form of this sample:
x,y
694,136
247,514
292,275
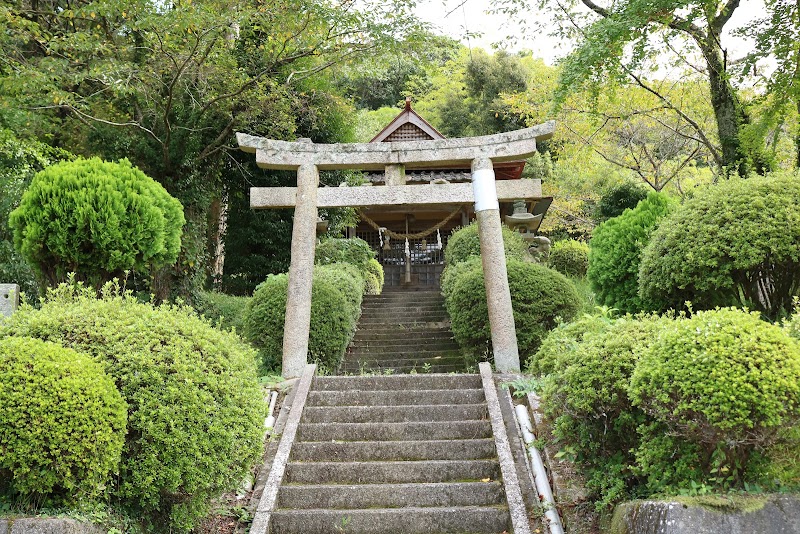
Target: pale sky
x,y
453,20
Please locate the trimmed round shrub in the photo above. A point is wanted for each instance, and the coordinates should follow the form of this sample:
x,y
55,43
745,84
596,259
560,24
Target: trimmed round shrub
x,y
619,198
62,422
540,297
97,219
615,252
356,252
195,408
570,258
723,380
226,311
347,280
464,243
374,277
736,243
454,271
587,398
333,317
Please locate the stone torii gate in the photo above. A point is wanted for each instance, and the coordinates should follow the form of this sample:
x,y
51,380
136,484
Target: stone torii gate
x,y
308,159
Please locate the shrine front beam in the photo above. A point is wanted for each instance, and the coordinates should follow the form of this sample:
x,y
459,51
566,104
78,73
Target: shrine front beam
x,y
290,155
387,195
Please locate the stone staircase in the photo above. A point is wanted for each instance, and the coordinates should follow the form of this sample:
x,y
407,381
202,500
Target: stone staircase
x,y
402,332
393,454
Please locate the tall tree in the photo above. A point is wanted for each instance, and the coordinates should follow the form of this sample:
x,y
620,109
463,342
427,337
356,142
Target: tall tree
x,y
619,40
167,85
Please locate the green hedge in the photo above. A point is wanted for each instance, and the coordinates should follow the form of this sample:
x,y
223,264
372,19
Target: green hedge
x,y
464,243
619,198
615,252
195,409
540,297
736,243
569,257
650,405
334,314
62,423
724,381
97,219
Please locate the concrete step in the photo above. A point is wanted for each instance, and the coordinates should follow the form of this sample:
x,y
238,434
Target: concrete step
x,y
397,383
391,472
403,342
378,331
339,496
394,414
395,370
394,398
394,431
421,365
401,319
408,353
362,451
466,520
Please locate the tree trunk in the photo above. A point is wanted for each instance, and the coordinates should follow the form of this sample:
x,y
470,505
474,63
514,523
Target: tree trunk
x,y
728,111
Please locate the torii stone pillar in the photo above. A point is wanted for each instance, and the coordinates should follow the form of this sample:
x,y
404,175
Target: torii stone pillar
x,y
308,158
495,275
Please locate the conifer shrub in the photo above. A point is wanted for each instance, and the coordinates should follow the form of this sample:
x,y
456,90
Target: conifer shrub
x,y
195,409
723,381
333,316
62,423
540,297
569,257
465,243
97,219
615,252
736,243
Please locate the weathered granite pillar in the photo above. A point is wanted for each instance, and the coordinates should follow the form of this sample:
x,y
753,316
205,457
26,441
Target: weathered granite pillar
x,y
495,276
9,299
301,271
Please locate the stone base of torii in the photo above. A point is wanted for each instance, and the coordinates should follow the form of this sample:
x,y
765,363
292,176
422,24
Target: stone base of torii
x,y
308,158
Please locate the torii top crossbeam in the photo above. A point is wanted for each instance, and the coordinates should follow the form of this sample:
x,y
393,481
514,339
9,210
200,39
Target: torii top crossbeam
x,y
289,155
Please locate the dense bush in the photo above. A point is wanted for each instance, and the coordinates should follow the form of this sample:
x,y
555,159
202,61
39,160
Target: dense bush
x,y
356,252
620,198
570,257
195,409
97,219
723,381
736,243
347,279
586,396
465,243
333,316
225,310
62,422
540,296
615,252
558,349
